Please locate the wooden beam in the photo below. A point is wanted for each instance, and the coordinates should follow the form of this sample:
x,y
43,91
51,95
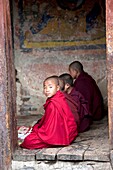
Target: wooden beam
x,y
8,133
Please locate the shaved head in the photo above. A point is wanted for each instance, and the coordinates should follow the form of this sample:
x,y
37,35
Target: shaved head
x,y
53,78
61,84
67,78
76,65
51,86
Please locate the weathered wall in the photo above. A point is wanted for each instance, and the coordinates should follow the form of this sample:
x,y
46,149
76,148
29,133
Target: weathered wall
x,y
48,38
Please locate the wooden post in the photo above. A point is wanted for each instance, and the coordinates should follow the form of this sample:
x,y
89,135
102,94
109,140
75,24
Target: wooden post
x,y
8,133
109,52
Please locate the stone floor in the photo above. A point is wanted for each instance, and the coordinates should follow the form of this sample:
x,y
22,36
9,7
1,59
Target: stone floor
x,y
90,150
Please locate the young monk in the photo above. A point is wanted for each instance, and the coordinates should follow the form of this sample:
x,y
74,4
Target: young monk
x,y
71,102
82,105
87,86
57,127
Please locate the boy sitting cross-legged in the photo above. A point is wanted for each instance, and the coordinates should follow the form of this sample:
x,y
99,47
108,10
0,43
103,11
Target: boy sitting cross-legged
x,y
57,127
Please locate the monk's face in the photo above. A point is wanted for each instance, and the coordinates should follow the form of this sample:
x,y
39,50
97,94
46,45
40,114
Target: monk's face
x,y
73,73
50,88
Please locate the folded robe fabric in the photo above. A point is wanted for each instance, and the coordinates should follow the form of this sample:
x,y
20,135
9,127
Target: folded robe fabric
x,y
56,128
87,86
74,107
83,110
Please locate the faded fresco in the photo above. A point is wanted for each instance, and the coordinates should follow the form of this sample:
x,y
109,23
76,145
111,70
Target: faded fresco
x,y
74,24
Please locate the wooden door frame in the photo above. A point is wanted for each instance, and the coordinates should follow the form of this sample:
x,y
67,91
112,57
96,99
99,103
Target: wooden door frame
x,y
8,132
109,62
8,121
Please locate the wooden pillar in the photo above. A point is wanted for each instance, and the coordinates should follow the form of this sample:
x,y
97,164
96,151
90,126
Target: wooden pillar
x,y
8,133
109,52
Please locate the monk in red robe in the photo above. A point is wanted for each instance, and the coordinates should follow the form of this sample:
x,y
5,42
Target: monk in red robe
x,y
83,110
57,127
85,117
87,86
71,102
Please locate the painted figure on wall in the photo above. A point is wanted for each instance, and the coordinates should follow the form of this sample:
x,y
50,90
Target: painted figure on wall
x,y
70,4
66,23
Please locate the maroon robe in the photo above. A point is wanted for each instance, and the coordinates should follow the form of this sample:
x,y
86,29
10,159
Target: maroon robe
x,y
87,86
83,110
74,107
56,128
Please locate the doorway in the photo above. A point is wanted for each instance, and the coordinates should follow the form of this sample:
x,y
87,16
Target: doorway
x,y
45,54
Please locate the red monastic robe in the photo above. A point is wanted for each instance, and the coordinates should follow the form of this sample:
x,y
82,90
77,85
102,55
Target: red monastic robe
x,y
56,128
87,86
74,107
83,110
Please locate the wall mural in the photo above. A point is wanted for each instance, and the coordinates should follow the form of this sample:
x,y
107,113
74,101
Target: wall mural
x,y
61,24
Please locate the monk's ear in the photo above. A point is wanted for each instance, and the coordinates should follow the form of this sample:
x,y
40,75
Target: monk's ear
x,y
67,85
58,87
75,70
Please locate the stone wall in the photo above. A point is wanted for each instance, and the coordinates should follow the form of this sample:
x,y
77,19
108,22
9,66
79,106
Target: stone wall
x,y
47,39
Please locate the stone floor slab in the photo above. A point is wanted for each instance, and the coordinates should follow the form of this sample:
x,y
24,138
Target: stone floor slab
x,y
24,155
111,157
96,155
95,165
60,165
72,152
47,154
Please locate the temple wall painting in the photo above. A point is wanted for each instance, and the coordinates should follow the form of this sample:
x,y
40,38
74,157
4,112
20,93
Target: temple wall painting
x,y
43,24
48,36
